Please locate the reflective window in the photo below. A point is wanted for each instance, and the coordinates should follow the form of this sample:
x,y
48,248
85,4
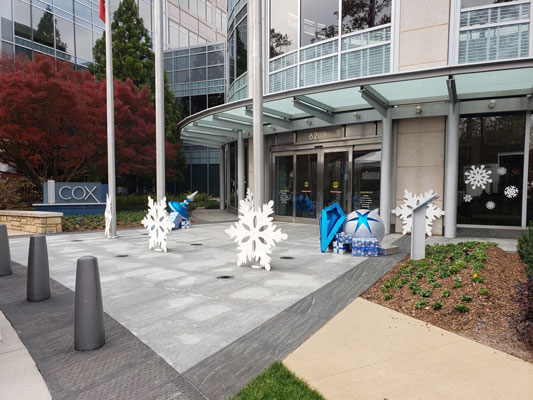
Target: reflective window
x,y
7,48
306,185
181,62
336,179
82,11
283,26
182,76
231,58
198,103
7,28
84,43
242,48
215,99
185,106
43,27
363,14
64,4
319,21
19,50
216,72
21,15
365,183
198,74
145,12
64,35
491,169
284,186
198,60
216,57
477,3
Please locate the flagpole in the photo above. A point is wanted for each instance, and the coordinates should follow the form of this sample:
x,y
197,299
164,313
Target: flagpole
x,y
110,119
159,102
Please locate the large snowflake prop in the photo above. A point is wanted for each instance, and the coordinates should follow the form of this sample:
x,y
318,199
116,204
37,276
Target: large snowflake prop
x,y
478,176
157,224
490,205
467,198
502,171
405,210
254,232
511,192
108,215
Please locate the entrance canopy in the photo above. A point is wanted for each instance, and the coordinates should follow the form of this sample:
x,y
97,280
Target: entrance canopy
x,y
489,87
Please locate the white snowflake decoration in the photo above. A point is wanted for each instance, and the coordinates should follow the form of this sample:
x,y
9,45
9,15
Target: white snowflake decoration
x,y
467,198
405,210
157,224
490,205
511,192
108,215
502,171
478,176
254,232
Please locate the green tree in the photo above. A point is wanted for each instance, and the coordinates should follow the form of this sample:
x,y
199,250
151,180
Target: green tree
x,y
133,58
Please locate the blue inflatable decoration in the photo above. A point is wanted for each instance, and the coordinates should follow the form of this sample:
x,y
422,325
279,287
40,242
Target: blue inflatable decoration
x,y
364,224
181,208
304,204
330,223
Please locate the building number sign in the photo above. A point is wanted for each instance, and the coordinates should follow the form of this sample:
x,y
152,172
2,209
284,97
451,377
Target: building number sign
x,y
320,135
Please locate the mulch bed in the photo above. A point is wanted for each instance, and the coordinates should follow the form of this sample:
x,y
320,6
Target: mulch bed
x,y
487,320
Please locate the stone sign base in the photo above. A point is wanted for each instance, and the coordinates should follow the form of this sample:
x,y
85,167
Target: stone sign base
x,y
31,221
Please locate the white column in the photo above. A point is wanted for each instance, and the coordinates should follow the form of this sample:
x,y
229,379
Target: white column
x,y
257,103
222,182
111,181
386,171
159,101
240,169
451,172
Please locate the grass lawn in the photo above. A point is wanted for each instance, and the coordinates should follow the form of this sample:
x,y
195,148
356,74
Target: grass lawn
x,y
277,383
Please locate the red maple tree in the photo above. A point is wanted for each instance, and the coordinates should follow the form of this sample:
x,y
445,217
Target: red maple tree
x,y
53,123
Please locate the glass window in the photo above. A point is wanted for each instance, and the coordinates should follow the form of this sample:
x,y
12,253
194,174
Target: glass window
x,y
19,50
82,11
64,4
181,62
478,3
198,103
198,74
364,14
182,76
84,43
145,12
185,104
216,57
198,60
6,48
231,56
64,35
21,15
242,47
284,186
7,28
365,183
215,99
216,72
283,26
319,21
336,179
43,27
169,64
491,163
306,185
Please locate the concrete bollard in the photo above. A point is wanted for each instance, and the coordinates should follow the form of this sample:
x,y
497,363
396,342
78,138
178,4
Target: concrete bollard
x,y
89,331
38,283
5,255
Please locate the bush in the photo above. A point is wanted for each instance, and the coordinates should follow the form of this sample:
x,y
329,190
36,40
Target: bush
x,y
135,202
437,305
466,299
483,291
17,193
525,250
461,307
522,322
212,204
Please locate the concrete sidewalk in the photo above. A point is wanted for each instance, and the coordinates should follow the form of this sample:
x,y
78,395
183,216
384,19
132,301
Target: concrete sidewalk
x,y
393,356
19,377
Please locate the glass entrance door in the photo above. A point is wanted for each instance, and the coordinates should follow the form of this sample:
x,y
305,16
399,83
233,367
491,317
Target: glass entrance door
x,y
284,192
336,173
306,185
365,181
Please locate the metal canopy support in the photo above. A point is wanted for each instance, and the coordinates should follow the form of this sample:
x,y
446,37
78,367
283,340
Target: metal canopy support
x,y
240,169
231,124
303,103
373,98
281,122
386,171
451,170
257,104
221,166
452,90
159,102
216,131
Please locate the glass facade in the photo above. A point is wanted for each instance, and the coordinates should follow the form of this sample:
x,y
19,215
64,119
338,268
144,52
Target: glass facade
x,y
283,27
319,21
196,76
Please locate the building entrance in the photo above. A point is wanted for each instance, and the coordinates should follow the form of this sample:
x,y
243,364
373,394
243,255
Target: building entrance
x,y
307,181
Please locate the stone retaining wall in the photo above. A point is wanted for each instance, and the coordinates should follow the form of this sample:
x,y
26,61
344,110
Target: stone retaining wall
x,y
31,221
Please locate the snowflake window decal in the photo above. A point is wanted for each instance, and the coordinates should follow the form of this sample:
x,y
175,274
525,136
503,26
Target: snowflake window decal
x,y
254,232
478,177
502,171
490,205
405,210
108,215
467,198
157,224
511,192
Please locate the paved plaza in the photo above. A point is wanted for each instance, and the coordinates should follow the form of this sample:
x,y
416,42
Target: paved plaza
x,y
175,302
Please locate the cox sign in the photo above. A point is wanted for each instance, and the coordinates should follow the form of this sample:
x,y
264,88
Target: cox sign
x,y
79,193
74,192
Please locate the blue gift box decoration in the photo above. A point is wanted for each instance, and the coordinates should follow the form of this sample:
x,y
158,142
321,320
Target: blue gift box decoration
x,y
176,220
339,247
343,237
365,247
365,242
185,224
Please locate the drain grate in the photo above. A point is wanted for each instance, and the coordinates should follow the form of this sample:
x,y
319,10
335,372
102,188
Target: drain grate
x,y
122,255
287,258
225,277
145,234
76,240
196,244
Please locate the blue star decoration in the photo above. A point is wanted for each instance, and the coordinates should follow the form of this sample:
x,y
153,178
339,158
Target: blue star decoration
x,y
362,220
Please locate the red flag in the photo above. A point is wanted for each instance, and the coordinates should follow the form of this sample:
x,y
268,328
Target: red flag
x,y
101,11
